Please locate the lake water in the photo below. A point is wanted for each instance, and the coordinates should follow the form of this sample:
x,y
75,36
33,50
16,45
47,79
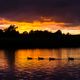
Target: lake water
x,y
14,64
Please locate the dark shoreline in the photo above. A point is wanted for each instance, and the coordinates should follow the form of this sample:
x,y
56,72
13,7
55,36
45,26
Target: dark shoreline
x,y
10,38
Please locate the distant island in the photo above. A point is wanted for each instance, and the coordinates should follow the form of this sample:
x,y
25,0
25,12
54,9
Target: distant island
x,y
10,38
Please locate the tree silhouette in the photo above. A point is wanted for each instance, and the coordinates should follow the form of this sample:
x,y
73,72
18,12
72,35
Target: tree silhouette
x,y
11,31
11,28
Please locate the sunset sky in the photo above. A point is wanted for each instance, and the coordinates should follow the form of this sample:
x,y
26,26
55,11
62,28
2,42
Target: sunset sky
x,y
49,15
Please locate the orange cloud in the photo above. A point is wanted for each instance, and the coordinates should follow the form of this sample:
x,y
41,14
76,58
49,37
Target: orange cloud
x,y
47,24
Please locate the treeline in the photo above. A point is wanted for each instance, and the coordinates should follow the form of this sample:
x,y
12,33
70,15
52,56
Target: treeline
x,y
10,38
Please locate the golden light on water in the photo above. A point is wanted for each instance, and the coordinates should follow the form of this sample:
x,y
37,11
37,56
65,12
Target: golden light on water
x,y
21,59
3,61
22,62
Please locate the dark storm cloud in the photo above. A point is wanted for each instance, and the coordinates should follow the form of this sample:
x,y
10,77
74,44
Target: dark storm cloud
x,y
67,11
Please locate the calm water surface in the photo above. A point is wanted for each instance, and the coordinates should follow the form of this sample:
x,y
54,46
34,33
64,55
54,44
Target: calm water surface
x,y
14,64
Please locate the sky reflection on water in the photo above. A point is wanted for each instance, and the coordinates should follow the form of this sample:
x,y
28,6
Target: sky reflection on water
x,y
14,64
